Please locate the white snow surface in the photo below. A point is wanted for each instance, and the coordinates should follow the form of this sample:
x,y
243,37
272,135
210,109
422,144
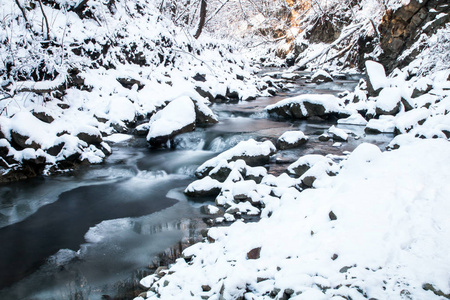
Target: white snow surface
x,y
391,236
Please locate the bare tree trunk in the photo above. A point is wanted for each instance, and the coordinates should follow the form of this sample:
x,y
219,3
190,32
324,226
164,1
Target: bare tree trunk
x,y
45,19
201,23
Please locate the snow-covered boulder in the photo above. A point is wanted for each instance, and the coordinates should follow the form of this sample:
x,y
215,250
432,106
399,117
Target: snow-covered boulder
x,y
177,117
205,187
354,119
389,101
407,121
338,134
252,152
382,125
305,162
321,76
291,139
376,77
308,105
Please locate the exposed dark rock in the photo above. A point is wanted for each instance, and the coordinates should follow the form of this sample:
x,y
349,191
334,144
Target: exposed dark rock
x,y
332,216
55,149
90,138
254,253
44,117
128,83
430,287
19,141
205,94
199,77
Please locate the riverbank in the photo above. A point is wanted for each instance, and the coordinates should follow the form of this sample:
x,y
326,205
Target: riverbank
x,y
354,225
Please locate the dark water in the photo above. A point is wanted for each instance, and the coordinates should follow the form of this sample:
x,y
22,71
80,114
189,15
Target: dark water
x,y
82,235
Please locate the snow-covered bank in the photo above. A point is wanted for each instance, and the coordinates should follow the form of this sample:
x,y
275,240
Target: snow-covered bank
x,y
100,69
376,230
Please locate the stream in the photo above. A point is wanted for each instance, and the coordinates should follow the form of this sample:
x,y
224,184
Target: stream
x,y
95,231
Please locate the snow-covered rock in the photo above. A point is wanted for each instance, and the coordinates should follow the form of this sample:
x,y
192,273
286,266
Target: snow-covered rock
x,y
250,151
291,139
205,187
382,125
338,134
304,163
177,117
321,76
376,77
354,119
388,102
308,105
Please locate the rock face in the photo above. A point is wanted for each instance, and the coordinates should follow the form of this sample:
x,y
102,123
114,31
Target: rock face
x,y
402,27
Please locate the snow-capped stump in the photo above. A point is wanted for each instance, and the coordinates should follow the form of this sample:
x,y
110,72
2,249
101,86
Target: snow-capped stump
x,y
407,121
305,162
338,134
291,139
354,119
321,76
376,77
308,105
177,117
205,187
252,152
388,102
382,125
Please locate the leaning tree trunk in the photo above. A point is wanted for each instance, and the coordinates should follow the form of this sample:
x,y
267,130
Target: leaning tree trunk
x,y
201,23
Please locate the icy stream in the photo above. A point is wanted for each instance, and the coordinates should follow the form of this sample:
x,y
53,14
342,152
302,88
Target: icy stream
x,y
84,234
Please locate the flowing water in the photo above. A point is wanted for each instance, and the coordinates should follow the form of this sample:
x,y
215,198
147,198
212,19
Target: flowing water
x,y
88,233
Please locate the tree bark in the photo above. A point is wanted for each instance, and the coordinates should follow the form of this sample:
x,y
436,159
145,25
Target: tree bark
x,y
201,23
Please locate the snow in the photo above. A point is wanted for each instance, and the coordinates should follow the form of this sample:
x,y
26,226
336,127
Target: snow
x,y
383,125
292,137
354,119
376,74
388,237
178,114
118,138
